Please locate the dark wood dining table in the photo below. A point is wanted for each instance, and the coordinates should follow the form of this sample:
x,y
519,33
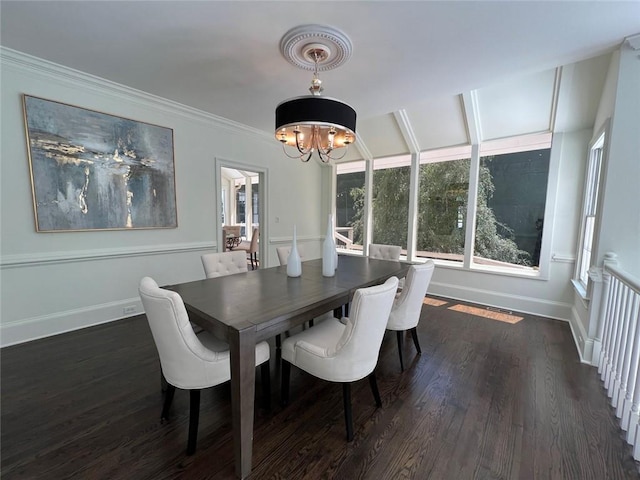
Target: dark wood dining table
x,y
246,308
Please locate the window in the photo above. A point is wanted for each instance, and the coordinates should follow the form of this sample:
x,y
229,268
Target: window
x,y
350,204
391,180
240,203
255,196
590,210
442,204
506,209
510,206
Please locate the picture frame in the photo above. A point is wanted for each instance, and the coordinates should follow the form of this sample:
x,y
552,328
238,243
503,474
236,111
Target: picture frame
x,y
95,171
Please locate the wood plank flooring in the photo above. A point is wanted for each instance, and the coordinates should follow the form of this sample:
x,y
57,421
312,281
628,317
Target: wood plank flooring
x,y
485,400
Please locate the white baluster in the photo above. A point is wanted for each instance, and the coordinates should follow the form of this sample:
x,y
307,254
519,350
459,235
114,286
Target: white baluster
x,y
615,338
623,349
606,326
629,329
633,381
613,312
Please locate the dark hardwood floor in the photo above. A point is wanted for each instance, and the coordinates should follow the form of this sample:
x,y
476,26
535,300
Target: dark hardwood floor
x,y
486,400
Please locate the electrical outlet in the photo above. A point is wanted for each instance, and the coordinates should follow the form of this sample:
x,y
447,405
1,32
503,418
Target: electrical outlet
x,y
129,309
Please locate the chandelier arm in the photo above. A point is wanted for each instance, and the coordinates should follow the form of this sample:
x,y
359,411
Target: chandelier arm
x,y
341,156
284,149
301,149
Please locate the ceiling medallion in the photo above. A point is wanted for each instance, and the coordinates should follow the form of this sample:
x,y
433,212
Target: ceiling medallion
x,y
294,42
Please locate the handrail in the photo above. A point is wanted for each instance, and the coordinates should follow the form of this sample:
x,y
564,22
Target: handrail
x,y
626,277
618,339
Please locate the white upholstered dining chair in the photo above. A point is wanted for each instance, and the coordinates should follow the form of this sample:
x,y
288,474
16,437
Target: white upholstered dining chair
x,y
343,350
283,254
384,252
224,263
405,313
189,361
251,247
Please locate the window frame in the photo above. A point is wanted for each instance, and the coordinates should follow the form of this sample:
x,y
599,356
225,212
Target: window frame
x,y
590,211
519,143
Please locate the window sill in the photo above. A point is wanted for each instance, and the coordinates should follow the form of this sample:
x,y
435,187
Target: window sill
x,y
580,290
493,270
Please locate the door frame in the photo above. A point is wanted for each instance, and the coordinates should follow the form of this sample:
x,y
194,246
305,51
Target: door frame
x,y
263,182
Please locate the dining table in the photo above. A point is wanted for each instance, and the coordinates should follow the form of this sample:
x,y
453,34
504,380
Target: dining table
x,y
246,308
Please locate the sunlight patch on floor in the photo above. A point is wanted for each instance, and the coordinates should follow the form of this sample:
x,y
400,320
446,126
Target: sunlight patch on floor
x,y
433,302
481,312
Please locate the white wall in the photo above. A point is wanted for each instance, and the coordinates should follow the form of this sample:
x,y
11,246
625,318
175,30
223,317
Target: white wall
x,y
619,230
620,226
54,282
552,297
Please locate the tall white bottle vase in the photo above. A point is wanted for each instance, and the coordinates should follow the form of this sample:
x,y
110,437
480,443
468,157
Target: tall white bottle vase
x,y
294,265
329,251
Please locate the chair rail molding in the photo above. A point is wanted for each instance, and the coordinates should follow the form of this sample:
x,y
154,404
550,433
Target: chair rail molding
x,y
300,238
50,258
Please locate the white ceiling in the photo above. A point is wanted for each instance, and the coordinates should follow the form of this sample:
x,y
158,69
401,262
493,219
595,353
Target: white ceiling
x,y
411,61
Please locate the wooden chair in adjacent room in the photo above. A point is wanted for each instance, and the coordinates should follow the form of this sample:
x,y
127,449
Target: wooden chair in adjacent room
x,y
251,247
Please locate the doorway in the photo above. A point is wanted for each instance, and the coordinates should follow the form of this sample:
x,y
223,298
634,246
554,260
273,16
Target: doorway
x,y
242,203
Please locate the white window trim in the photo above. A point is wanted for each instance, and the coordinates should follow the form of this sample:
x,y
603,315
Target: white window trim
x,y
599,141
532,141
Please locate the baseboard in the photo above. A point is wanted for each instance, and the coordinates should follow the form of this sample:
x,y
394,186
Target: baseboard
x,y
584,344
29,329
519,303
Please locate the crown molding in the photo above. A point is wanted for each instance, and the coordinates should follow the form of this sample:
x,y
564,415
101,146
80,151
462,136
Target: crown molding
x,y
25,62
633,42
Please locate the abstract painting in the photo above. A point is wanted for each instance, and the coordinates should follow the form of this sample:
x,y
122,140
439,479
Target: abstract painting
x,y
94,171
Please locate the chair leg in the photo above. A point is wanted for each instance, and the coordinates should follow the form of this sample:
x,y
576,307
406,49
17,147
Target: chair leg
x,y
168,398
399,334
251,258
194,417
414,334
348,416
163,382
284,387
374,388
265,376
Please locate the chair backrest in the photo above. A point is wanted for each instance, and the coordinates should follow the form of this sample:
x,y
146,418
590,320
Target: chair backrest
x,y
283,254
224,263
232,230
384,252
405,313
358,348
254,240
186,362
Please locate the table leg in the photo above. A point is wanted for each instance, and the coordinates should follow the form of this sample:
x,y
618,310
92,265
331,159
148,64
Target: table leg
x,y
242,346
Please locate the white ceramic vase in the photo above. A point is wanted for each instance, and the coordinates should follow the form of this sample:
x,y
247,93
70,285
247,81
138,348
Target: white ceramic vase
x,y
329,263
294,265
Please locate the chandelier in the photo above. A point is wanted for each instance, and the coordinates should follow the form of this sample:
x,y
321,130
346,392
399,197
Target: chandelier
x,y
313,123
